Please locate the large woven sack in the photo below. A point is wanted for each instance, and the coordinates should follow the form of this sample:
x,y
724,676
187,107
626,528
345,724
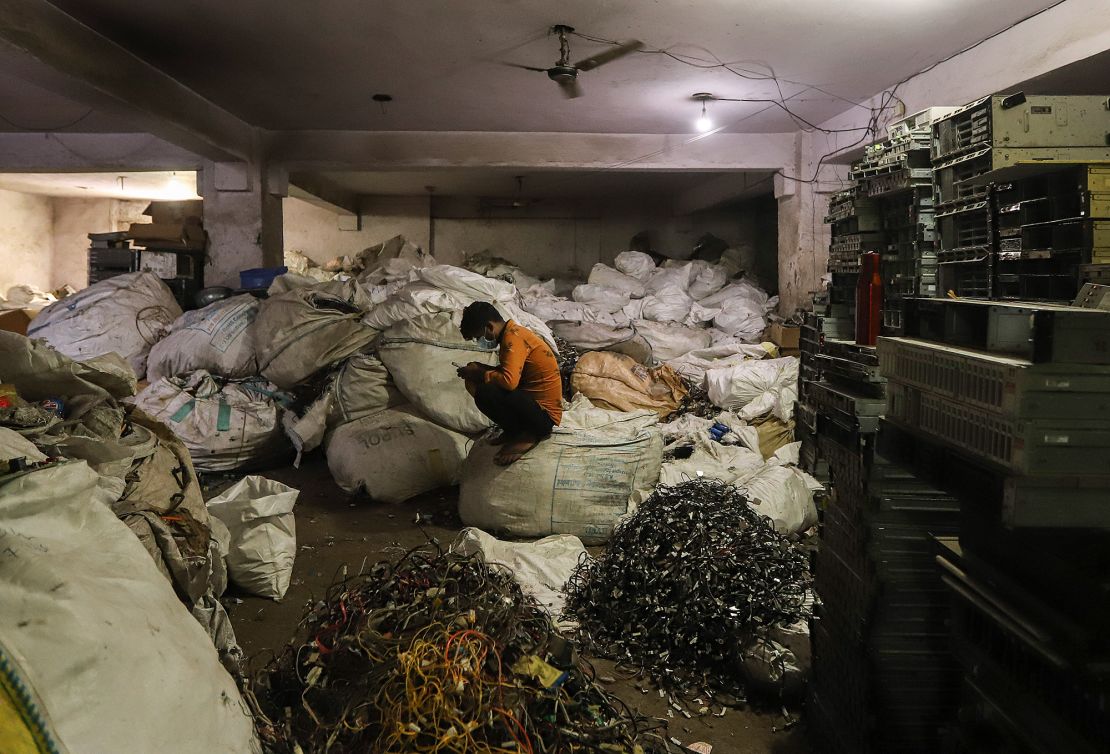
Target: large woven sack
x,y
420,354
588,336
217,338
604,275
118,664
578,481
395,455
126,314
618,382
225,425
669,341
303,331
755,388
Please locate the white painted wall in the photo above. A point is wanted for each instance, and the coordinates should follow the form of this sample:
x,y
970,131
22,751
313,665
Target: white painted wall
x,y
74,219
551,238
44,240
315,232
26,240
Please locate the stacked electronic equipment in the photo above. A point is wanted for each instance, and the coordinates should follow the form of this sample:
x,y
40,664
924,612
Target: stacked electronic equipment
x,y
110,255
1007,407
883,678
1002,229
896,177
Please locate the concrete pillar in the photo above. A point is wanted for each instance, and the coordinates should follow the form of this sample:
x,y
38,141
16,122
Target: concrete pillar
x,y
242,214
803,234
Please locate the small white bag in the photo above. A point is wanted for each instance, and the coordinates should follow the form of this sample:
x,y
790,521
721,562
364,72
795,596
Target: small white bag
x,y
259,514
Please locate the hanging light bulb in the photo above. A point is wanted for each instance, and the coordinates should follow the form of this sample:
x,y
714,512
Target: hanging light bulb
x,y
178,188
703,123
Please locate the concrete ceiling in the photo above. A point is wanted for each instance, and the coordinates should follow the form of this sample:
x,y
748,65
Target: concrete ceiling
x,y
315,65
546,185
153,185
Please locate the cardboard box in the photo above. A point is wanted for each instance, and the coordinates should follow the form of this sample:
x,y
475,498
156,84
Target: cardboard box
x,y
174,212
17,320
189,233
786,337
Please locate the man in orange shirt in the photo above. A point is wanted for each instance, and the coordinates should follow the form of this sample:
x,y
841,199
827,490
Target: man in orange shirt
x,y
523,394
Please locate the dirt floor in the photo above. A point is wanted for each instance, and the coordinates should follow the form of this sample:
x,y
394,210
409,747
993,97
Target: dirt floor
x,y
336,531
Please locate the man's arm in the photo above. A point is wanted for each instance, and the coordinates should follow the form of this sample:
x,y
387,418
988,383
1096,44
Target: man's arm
x,y
506,375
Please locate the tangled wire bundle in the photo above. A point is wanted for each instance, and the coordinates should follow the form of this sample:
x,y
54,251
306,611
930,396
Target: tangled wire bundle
x,y
696,401
568,360
435,652
684,582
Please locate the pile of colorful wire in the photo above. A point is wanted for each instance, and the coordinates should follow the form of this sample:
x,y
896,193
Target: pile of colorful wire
x,y
684,584
436,652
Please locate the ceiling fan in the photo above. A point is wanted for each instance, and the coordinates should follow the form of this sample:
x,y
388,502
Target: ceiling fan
x,y
565,74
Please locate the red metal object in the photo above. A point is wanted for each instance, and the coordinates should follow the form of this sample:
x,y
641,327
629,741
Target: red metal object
x,y
869,299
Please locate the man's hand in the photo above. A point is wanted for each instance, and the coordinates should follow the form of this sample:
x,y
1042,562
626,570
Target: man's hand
x,y
472,371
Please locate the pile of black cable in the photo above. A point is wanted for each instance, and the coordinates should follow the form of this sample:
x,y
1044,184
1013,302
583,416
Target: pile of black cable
x,y
436,652
696,401
684,583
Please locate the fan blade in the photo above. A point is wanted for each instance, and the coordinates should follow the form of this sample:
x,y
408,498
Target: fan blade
x,y
609,55
525,67
570,89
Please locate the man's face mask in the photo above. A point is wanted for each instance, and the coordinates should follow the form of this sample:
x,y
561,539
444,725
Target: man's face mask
x,y
487,342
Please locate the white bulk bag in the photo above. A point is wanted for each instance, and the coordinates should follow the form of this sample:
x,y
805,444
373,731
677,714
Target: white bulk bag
x,y
258,513
224,425
600,297
578,481
116,660
126,314
363,386
669,341
695,364
586,336
667,305
466,285
217,338
420,354
782,494
395,455
670,279
553,309
541,568
740,289
712,460
742,318
303,331
708,281
603,274
755,388
412,300
635,263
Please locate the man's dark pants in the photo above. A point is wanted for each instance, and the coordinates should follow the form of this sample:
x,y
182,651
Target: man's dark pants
x,y
516,412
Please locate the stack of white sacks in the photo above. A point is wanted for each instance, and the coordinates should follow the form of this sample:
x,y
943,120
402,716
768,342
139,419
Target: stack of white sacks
x,y
373,338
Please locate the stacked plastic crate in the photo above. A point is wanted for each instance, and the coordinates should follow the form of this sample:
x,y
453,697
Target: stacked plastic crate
x,y
972,150
1007,407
